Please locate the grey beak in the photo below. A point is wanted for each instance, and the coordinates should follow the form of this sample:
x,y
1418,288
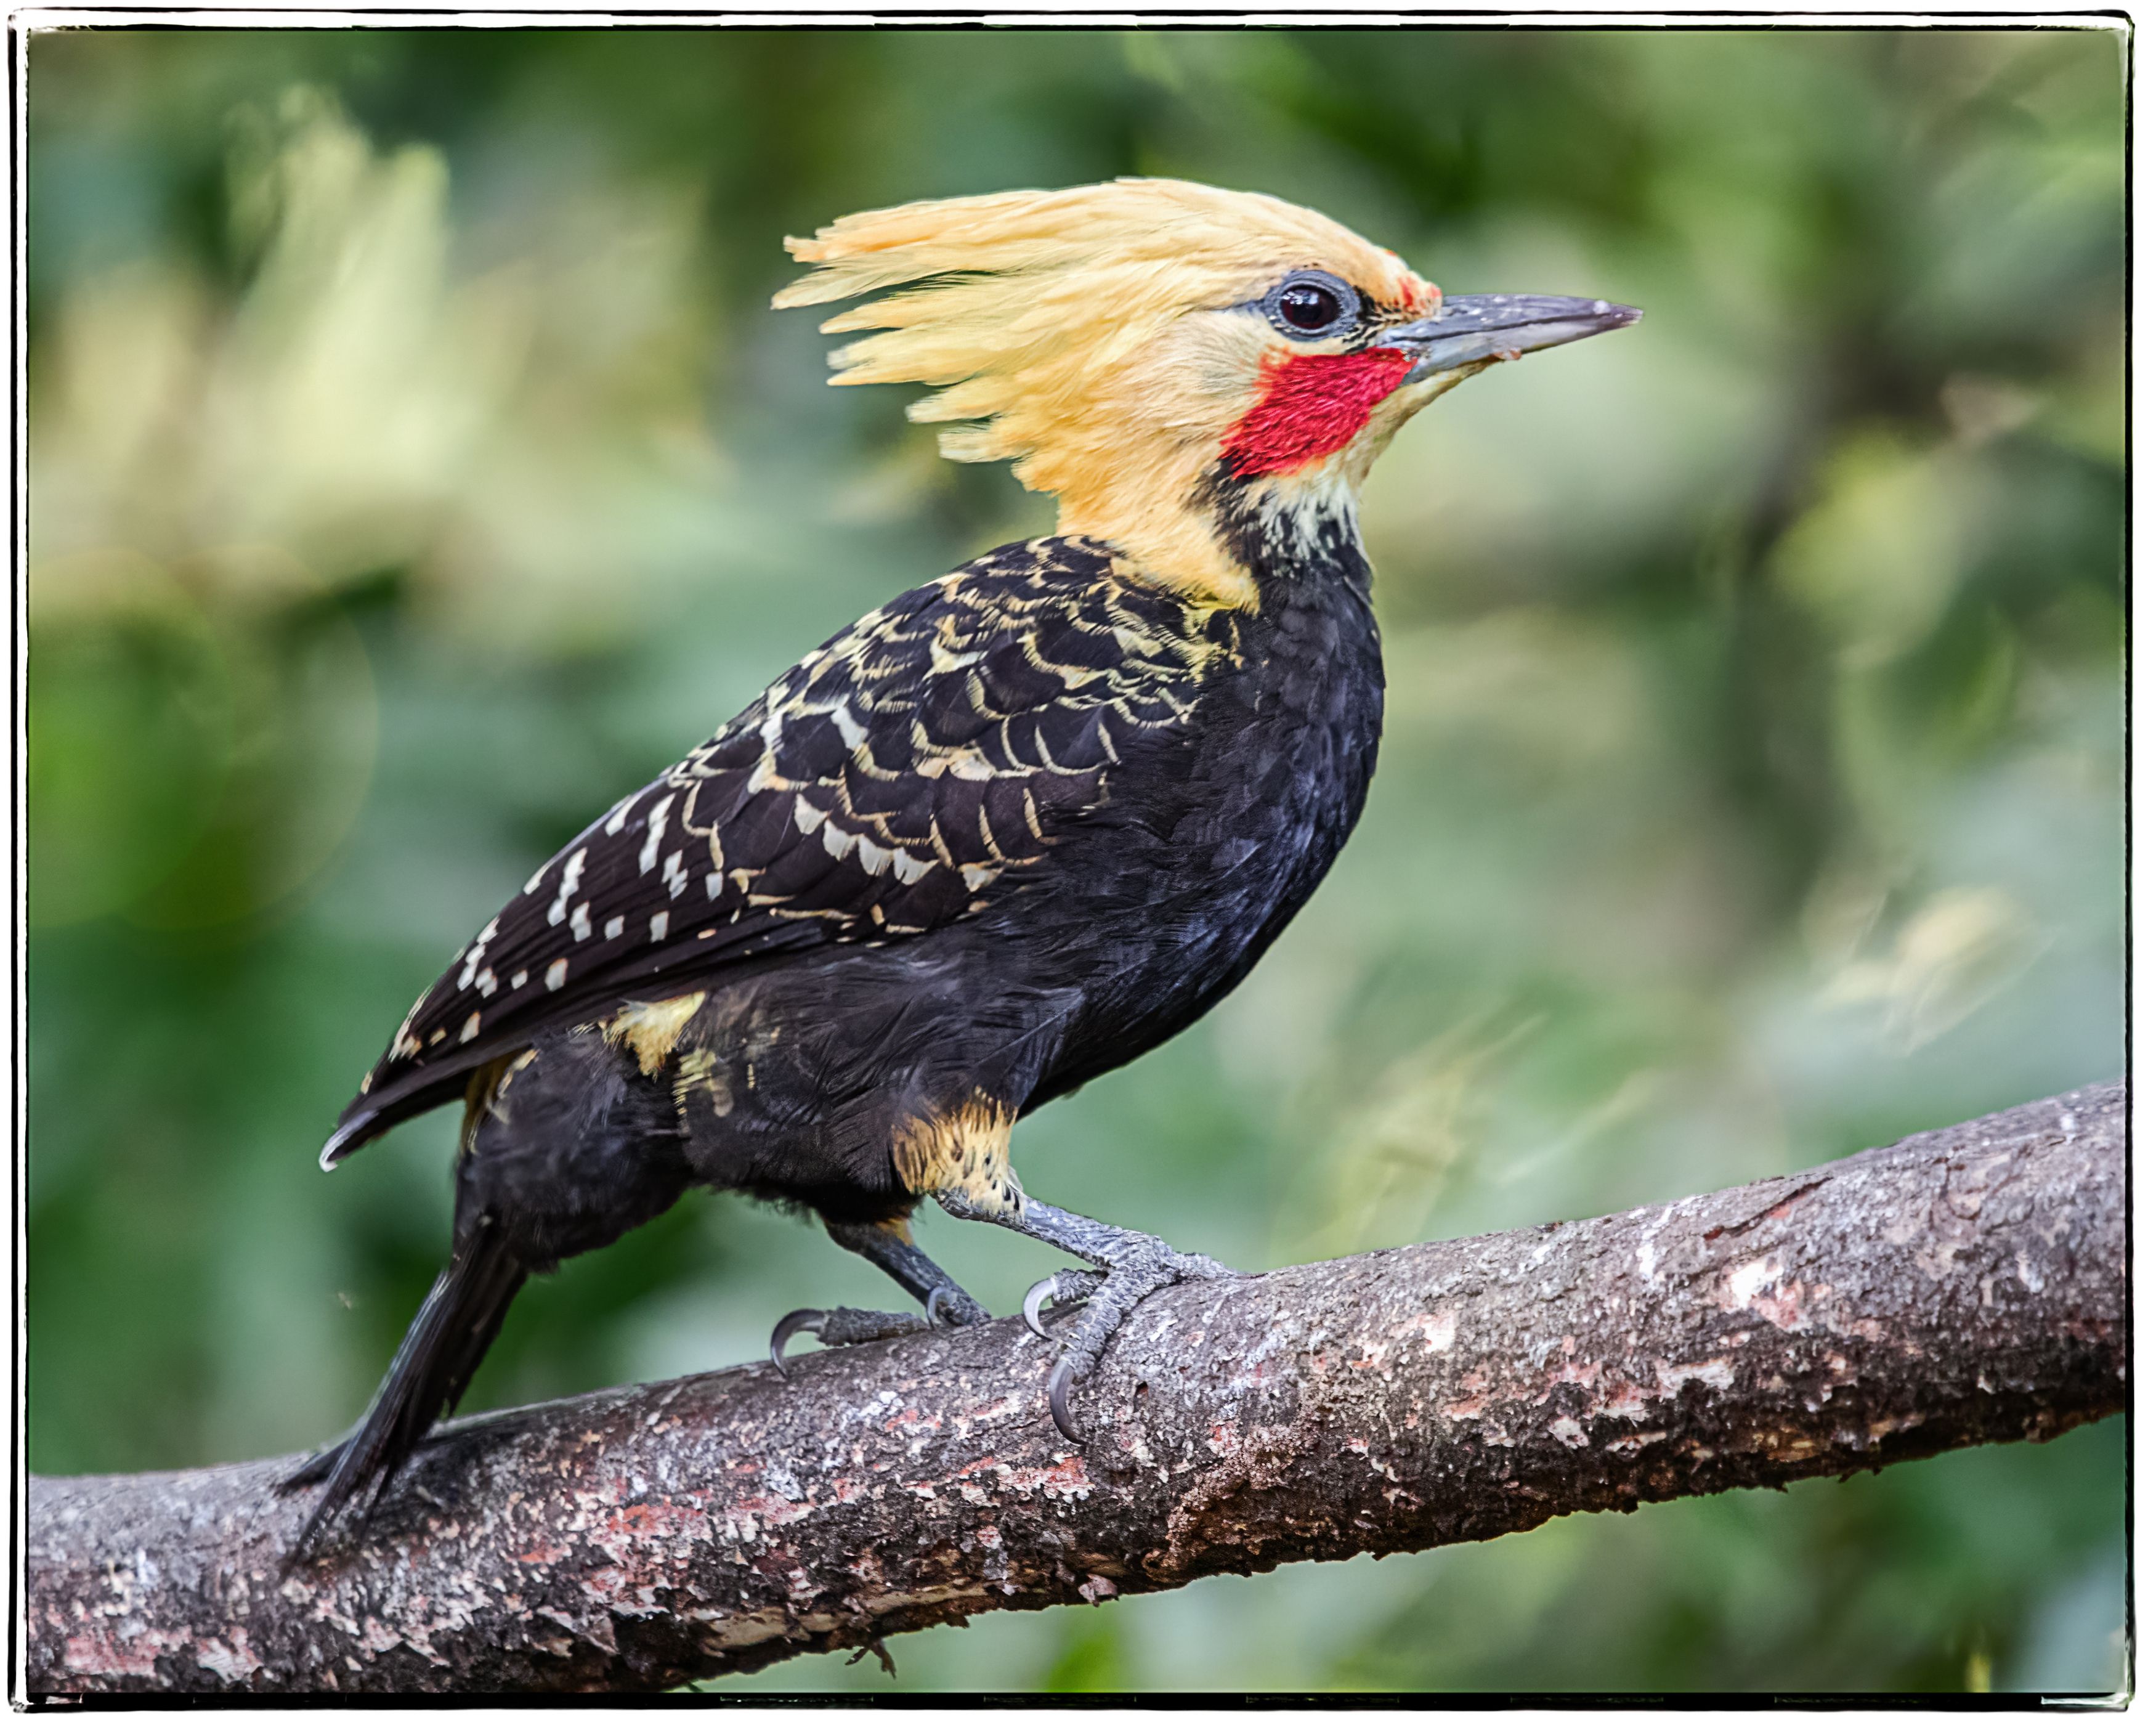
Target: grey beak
x,y
1479,327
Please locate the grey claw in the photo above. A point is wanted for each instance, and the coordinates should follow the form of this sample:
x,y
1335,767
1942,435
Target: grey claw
x,y
808,1318
1036,1296
1059,1398
936,1297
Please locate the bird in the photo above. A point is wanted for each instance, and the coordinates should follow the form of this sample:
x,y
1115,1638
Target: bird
x,y
1006,833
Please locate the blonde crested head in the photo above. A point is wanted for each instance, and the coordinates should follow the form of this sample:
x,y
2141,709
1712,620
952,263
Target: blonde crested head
x,y
1126,345
1031,307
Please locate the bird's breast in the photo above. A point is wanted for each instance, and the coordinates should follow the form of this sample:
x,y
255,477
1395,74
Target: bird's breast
x,y
1204,866
1297,742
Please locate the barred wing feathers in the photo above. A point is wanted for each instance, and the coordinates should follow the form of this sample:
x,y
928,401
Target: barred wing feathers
x,y
891,784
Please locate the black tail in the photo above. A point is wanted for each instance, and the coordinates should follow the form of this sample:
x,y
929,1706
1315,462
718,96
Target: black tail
x,y
434,1364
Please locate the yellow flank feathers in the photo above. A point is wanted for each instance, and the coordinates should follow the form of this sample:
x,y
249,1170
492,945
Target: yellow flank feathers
x,y
966,1149
650,1030
1090,335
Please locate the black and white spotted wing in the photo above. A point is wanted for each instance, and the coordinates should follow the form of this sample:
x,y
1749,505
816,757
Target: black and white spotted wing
x,y
887,785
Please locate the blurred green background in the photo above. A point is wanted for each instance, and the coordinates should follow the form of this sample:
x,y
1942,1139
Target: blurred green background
x,y
415,467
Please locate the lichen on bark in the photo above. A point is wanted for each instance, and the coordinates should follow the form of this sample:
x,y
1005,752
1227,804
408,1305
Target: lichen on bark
x,y
1963,1286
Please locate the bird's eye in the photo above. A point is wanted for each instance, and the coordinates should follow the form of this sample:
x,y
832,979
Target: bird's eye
x,y
1308,306
1310,303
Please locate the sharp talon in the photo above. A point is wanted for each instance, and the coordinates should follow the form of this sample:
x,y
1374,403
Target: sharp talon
x,y
936,1299
792,1324
1036,1296
1059,1399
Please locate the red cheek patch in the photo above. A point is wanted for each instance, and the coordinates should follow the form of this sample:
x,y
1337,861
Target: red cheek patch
x,y
1312,404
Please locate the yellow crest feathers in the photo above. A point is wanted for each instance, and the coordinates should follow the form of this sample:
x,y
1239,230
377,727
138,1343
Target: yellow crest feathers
x,y
1034,313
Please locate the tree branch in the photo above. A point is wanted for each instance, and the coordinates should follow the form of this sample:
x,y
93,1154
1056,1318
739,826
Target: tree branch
x,y
1963,1286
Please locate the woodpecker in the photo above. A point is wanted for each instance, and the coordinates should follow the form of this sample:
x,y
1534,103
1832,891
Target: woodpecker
x,y
1001,836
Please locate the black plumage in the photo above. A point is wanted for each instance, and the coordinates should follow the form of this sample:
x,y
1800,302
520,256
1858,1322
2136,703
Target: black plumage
x,y
1003,835
968,761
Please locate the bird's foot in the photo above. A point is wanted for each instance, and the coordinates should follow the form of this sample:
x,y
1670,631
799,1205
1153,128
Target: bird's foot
x,y
949,1307
1143,1264
1131,1265
1066,1287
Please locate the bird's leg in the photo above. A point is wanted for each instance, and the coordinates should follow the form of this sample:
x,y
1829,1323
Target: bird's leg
x,y
888,1245
1132,1264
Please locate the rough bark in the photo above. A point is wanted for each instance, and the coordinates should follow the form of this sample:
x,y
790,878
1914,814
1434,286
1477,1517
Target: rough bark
x,y
1960,1287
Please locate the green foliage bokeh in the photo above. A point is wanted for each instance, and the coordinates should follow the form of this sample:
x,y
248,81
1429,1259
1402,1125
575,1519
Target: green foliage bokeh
x,y
416,467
